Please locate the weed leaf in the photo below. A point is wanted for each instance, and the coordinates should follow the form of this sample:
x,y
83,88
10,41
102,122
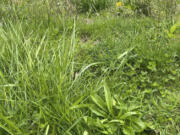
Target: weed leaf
x,y
128,114
108,98
128,131
80,106
97,111
98,101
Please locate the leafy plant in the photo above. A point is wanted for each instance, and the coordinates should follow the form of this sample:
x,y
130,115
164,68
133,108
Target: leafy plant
x,y
111,116
90,5
172,32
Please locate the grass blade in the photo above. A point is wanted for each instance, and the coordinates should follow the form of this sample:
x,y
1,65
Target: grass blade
x,y
10,124
47,130
6,129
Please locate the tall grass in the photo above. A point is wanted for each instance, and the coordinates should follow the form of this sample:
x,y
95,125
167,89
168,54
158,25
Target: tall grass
x,y
36,74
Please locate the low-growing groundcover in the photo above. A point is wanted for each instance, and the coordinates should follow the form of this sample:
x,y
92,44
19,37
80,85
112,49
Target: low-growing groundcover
x,y
102,74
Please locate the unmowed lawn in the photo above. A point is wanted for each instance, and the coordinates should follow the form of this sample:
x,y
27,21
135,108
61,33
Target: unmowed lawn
x,y
83,74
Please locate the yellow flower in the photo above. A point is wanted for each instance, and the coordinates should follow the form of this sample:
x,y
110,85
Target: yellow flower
x,y
119,4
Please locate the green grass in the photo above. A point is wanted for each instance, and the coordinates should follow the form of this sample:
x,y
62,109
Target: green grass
x,y
97,74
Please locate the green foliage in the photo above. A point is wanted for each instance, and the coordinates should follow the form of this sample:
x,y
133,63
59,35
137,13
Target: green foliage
x,y
174,30
140,7
154,8
52,66
112,116
84,6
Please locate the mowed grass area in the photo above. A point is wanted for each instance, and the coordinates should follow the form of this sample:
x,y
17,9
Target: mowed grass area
x,y
82,75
